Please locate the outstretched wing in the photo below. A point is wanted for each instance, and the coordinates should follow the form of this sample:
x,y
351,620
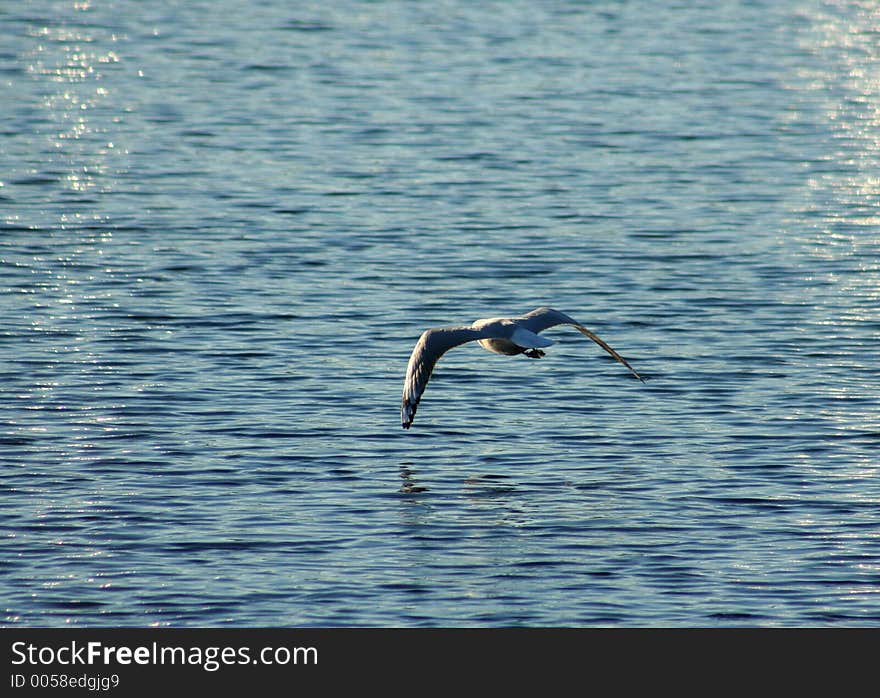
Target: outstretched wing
x,y
428,350
542,318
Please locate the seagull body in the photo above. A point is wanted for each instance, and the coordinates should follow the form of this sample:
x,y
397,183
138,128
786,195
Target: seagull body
x,y
509,336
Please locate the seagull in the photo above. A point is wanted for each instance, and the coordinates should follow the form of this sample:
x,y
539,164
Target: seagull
x,y
508,336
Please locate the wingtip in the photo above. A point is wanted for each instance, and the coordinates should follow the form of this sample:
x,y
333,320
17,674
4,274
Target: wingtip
x,y
635,374
407,414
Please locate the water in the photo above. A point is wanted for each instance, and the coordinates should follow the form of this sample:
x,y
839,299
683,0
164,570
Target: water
x,y
224,225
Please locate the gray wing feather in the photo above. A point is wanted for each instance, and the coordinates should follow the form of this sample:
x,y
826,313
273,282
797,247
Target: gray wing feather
x,y
428,350
542,318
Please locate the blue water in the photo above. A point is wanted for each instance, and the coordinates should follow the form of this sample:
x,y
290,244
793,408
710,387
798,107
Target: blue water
x,y
224,224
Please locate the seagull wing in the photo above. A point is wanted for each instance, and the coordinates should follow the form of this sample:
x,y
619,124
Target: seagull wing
x,y
428,350
542,318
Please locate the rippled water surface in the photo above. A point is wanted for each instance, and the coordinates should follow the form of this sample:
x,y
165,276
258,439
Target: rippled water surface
x,y
223,226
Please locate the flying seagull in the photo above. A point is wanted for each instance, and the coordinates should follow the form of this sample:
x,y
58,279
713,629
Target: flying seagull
x,y
508,336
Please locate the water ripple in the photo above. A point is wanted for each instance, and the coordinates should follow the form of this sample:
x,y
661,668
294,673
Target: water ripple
x,y
220,243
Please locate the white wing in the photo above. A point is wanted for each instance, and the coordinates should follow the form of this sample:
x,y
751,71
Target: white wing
x,y
428,350
542,318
